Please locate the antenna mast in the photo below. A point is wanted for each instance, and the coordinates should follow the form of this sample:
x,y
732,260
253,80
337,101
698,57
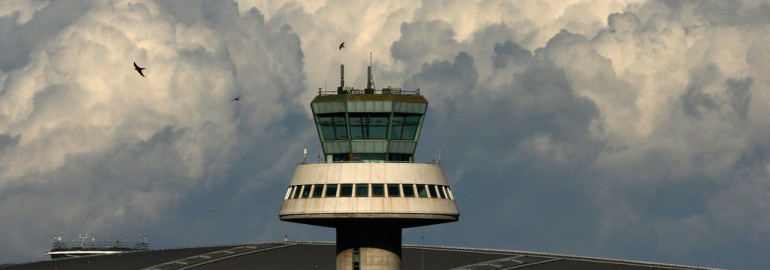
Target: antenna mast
x,y
369,79
341,89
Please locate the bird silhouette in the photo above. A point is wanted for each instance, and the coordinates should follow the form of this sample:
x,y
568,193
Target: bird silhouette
x,y
138,69
236,99
342,45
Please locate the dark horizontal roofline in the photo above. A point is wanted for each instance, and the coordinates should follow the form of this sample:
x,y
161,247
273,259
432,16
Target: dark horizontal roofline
x,y
413,98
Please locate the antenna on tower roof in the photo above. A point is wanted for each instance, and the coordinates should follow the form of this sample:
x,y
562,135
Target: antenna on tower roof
x,y
369,79
341,89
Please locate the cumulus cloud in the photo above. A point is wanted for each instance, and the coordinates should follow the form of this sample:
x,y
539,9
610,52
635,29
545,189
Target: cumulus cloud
x,y
21,10
89,146
624,129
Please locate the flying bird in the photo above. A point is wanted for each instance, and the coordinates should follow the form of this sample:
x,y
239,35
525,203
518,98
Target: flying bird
x,y
236,99
342,45
138,69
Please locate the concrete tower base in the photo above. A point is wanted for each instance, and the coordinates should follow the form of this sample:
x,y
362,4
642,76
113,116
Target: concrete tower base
x,y
370,248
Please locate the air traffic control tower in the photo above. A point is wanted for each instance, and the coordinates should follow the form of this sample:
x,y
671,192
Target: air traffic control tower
x,y
368,185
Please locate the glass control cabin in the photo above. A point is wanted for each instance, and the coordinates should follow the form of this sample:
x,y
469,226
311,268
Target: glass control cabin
x,y
369,125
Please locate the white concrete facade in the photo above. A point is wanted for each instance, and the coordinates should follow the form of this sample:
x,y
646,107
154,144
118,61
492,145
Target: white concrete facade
x,y
359,172
437,207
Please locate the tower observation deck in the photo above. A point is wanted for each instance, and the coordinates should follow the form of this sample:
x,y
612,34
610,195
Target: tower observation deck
x,y
368,186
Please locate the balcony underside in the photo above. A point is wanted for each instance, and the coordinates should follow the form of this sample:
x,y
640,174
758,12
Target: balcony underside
x,y
370,220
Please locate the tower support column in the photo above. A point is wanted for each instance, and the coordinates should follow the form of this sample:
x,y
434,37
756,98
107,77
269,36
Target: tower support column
x,y
370,248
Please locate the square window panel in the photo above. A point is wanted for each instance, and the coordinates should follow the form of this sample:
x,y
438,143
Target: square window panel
x,y
318,190
331,190
378,190
409,190
362,190
346,190
394,190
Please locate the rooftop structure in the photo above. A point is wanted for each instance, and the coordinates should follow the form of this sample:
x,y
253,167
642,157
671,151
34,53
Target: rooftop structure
x,y
88,246
320,256
369,186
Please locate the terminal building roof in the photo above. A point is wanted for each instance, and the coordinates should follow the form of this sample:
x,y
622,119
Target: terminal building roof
x,y
317,255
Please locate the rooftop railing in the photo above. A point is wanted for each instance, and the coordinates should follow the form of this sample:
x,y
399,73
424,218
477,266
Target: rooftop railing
x,y
353,91
117,245
368,161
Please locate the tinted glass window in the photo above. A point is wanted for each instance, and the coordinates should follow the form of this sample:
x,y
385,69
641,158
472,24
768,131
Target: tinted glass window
x,y
340,127
397,124
333,126
368,157
359,126
296,191
327,127
362,190
449,192
399,157
408,190
435,190
318,190
394,190
422,191
404,126
340,157
346,190
306,191
395,131
342,132
331,190
409,132
378,126
368,125
410,126
378,190
328,132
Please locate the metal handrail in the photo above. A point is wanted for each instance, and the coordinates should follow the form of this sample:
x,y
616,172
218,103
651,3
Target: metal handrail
x,y
353,91
361,161
99,245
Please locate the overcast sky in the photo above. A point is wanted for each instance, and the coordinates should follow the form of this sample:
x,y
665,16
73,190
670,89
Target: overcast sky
x,y
623,129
